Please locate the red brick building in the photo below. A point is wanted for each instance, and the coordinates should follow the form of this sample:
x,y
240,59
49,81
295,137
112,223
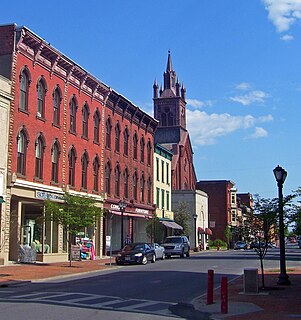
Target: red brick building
x,y
58,139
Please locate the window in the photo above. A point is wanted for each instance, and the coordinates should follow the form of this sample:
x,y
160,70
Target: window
x,y
96,126
162,170
135,185
157,197
72,160
24,90
149,153
57,98
85,115
41,88
167,173
167,200
108,178
117,138
157,169
96,174
142,144
108,133
117,181
55,163
163,199
135,145
126,142
126,183
22,146
233,198
73,109
149,190
142,182
39,158
85,162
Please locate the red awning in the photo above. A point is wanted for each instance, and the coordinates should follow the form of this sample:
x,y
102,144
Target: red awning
x,y
201,230
208,231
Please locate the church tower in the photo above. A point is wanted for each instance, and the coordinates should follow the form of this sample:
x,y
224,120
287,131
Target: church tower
x,y
170,104
171,133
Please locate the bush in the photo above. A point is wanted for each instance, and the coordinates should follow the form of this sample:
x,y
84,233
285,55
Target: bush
x,y
219,243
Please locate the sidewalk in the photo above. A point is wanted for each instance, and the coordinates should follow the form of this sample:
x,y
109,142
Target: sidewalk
x,y
276,302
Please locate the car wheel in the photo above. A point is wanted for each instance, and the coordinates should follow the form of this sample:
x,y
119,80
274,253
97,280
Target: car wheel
x,y
153,258
182,254
188,254
163,256
144,260
168,256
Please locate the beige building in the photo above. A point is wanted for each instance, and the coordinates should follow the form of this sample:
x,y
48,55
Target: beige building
x,y
5,99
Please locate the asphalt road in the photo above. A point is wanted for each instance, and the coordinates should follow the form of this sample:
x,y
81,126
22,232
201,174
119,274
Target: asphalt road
x,y
131,290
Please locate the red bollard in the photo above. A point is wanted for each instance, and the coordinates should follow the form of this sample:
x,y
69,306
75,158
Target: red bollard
x,y
224,295
210,287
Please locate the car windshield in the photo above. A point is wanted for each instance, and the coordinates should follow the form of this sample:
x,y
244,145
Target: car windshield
x,y
173,240
134,246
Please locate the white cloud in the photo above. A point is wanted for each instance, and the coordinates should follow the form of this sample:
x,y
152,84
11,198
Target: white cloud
x,y
243,86
283,13
251,97
287,37
258,133
198,103
205,128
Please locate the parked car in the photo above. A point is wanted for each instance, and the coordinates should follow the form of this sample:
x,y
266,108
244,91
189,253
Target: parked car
x,y
138,252
257,244
241,245
176,245
159,250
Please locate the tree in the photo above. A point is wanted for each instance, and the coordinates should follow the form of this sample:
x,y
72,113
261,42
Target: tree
x,y
75,214
182,217
155,229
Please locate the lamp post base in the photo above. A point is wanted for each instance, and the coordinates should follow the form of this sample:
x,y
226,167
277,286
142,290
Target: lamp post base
x,y
283,280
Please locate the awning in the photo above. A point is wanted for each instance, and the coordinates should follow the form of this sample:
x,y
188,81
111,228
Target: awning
x,y
127,214
172,224
208,231
201,230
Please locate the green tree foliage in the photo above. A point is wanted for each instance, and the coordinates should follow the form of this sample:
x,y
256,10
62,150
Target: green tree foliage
x,y
155,229
182,217
74,214
295,218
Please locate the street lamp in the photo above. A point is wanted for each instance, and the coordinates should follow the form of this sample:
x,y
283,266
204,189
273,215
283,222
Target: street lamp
x,y
195,217
280,175
122,206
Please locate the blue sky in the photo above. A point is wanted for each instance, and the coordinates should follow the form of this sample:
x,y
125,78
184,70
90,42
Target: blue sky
x,y
240,61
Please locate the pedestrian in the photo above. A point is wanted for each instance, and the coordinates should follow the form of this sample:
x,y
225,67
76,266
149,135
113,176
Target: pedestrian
x,y
127,239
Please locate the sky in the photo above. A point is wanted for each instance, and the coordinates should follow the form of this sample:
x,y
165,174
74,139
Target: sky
x,y
240,61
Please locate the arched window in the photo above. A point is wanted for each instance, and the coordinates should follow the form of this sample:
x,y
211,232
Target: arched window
x,y
85,117
96,165
57,98
135,146
39,153
73,109
108,178
142,144
142,182
96,126
149,153
108,133
55,163
149,190
126,142
126,183
41,89
22,148
135,185
117,181
72,161
85,162
117,138
24,90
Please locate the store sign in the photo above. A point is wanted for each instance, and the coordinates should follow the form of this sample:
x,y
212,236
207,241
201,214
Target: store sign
x,y
48,196
143,211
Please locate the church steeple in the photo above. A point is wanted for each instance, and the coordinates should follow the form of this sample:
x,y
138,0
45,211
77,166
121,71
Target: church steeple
x,y
169,64
169,76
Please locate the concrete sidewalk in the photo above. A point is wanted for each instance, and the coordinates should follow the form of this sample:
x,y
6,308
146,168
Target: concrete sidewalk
x,y
275,302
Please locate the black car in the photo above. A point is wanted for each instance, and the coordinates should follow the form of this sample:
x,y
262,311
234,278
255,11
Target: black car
x,y
138,252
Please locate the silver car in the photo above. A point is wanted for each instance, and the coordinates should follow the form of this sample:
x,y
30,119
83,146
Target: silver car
x,y
159,250
176,245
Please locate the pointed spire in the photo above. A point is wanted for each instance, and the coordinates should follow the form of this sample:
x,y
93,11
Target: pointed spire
x,y
169,64
155,87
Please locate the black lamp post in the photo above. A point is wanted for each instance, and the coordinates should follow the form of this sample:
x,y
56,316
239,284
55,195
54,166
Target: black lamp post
x,y
122,206
280,175
195,217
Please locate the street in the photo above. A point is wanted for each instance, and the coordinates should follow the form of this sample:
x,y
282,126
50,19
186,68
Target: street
x,y
139,292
